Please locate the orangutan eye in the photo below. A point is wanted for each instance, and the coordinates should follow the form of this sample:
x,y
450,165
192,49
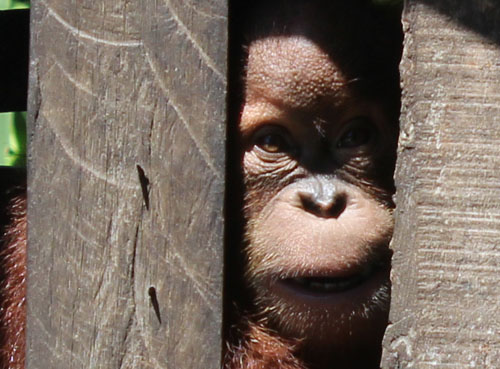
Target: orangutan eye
x,y
272,143
274,140
360,132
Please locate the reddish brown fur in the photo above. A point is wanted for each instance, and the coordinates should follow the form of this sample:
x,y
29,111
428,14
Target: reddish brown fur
x,y
13,286
262,349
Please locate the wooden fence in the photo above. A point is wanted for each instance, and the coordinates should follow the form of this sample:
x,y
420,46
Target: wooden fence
x,y
127,113
445,309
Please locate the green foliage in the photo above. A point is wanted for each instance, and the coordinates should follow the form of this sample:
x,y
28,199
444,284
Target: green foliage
x,y
13,139
14,4
13,125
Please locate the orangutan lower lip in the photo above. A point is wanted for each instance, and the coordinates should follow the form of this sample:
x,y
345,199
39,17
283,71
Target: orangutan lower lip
x,y
327,285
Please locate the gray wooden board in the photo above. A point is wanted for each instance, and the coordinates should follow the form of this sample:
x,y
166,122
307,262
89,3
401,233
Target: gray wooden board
x,y
445,309
119,90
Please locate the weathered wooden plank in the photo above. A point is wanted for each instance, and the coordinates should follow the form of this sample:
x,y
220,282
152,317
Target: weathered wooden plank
x,y
14,37
446,294
126,183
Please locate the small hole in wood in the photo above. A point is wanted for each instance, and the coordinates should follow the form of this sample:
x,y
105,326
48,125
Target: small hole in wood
x,y
154,302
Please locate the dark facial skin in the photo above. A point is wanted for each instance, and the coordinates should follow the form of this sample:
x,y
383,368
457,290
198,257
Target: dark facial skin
x,y
318,135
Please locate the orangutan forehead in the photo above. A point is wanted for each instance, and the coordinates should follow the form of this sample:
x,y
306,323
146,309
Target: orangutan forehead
x,y
292,70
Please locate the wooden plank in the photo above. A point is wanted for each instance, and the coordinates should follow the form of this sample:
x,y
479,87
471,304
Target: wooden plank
x,y
446,293
126,183
14,38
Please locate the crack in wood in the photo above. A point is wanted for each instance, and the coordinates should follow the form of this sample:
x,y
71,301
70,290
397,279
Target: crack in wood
x,y
145,185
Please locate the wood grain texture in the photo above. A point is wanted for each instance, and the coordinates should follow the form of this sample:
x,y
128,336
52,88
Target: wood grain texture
x,y
126,183
446,293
